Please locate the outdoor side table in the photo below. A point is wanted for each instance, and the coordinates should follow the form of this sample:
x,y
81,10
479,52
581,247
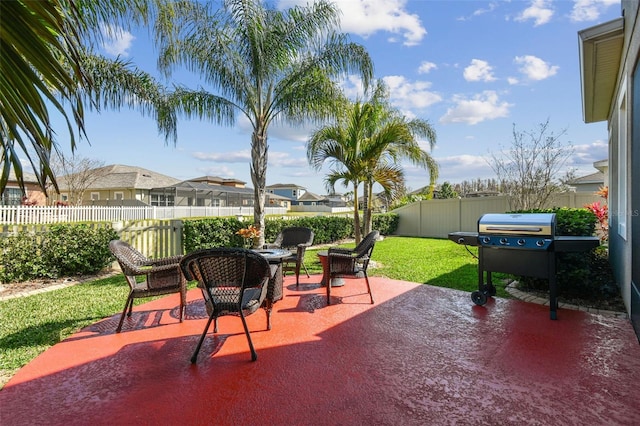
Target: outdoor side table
x,y
274,288
323,256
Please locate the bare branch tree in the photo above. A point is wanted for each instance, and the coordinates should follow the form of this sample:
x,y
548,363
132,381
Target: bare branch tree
x,y
77,174
528,171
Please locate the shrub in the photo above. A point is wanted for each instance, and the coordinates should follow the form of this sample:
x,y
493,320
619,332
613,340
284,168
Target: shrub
x,y
61,250
221,231
72,249
577,273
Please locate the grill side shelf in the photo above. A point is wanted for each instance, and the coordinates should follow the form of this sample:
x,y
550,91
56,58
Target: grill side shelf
x,y
466,238
575,244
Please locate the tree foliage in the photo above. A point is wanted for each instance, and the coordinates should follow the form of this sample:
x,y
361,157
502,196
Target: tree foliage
x,y
264,64
365,145
529,171
47,68
78,174
446,191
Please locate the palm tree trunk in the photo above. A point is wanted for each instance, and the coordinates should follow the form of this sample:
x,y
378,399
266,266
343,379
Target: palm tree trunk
x,y
356,213
369,212
259,179
365,208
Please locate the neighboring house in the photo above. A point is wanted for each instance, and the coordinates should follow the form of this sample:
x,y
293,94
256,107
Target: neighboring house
x,y
118,184
13,195
588,183
610,78
311,199
288,190
274,200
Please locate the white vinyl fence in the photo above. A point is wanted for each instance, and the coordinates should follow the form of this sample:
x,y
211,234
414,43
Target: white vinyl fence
x,y
17,215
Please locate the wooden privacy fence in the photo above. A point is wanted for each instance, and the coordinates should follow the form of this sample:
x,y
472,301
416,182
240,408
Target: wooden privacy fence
x,y
437,218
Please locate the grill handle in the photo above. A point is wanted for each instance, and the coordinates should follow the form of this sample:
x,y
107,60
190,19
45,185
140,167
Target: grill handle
x,y
512,229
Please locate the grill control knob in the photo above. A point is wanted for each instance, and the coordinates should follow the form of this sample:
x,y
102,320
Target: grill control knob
x,y
486,240
522,242
540,243
503,241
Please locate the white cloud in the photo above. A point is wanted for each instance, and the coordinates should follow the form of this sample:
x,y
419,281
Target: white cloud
x,y
366,17
539,10
479,70
117,41
222,171
284,159
276,159
408,95
535,68
425,67
457,168
483,106
490,8
586,154
243,156
590,10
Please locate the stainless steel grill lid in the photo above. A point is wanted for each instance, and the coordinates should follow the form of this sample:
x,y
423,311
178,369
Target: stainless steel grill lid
x,y
538,224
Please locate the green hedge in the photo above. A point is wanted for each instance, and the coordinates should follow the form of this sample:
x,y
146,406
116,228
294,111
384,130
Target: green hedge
x,y
221,231
578,274
62,250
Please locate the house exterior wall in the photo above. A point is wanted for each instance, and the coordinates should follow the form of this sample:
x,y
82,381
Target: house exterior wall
x,y
293,193
109,194
621,114
588,187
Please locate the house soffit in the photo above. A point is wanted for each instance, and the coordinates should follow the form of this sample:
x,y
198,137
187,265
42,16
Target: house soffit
x,y
600,56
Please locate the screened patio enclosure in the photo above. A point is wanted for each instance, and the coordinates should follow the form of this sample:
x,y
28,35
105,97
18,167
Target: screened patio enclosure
x,y
201,194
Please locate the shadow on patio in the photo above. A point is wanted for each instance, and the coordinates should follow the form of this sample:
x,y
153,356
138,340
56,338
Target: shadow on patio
x,y
420,355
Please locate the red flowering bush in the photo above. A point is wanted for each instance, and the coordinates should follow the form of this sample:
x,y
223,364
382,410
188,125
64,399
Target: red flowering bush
x,y
602,213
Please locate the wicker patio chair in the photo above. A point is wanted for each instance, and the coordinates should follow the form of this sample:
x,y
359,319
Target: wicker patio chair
x,y
296,239
233,281
351,262
162,276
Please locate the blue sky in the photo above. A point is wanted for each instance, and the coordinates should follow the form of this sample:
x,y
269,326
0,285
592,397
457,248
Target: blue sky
x,y
473,69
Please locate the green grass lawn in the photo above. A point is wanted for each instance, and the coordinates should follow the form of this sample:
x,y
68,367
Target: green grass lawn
x,y
29,325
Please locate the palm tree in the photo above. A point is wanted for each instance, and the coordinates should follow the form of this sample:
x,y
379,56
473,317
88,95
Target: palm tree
x,y
367,145
46,66
264,64
340,145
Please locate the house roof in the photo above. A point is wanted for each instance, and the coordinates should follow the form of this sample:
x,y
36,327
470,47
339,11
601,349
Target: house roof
x,y
204,188
310,196
26,177
601,49
121,176
285,186
217,180
277,197
597,177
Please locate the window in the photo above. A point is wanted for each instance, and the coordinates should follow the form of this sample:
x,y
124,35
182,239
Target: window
x,y
622,162
162,200
64,197
12,197
95,196
118,195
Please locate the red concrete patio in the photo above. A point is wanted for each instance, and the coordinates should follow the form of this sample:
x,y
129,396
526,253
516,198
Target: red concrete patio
x,y
421,355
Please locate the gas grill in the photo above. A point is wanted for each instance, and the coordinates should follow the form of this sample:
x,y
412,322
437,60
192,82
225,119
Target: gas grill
x,y
519,244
